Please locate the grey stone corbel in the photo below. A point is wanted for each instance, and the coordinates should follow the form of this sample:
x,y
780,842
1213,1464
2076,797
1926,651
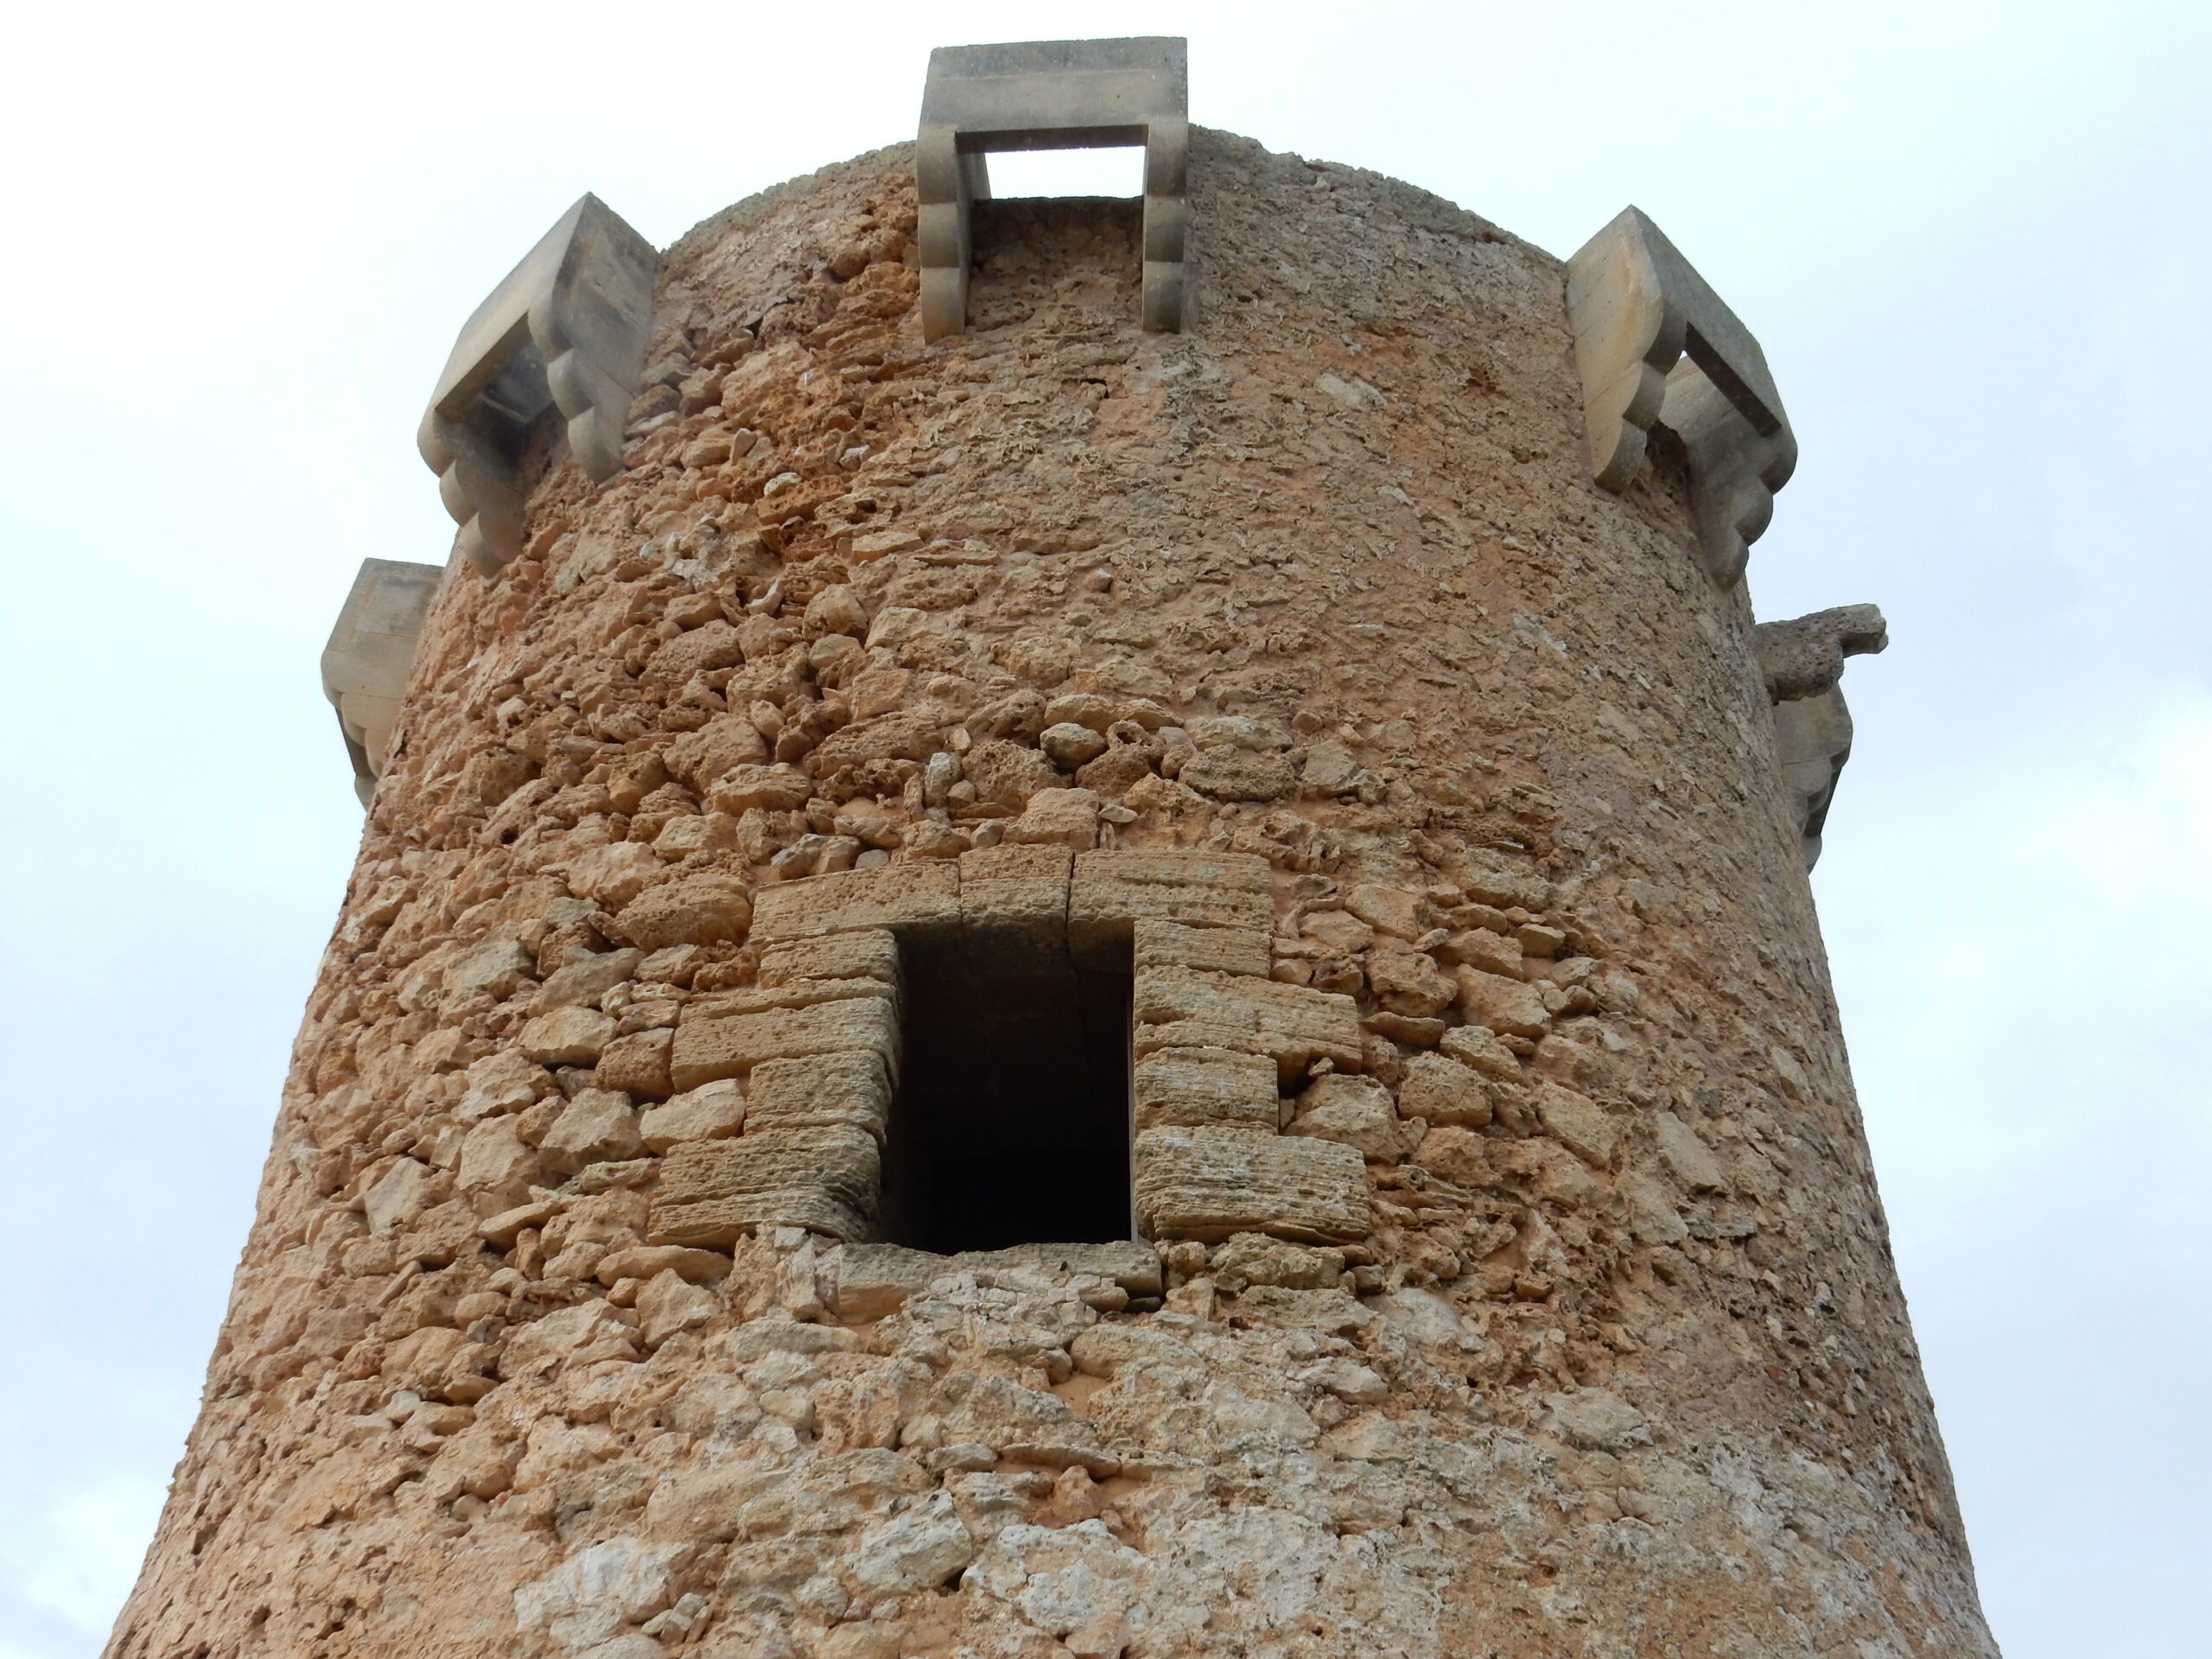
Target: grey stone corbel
x,y
1655,345
365,666
1802,661
568,329
1050,95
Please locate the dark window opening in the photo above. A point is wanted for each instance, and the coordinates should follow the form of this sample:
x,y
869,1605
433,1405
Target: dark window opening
x,y
1011,1123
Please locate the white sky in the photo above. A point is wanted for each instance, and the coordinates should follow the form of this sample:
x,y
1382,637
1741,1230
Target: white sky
x,y
1972,239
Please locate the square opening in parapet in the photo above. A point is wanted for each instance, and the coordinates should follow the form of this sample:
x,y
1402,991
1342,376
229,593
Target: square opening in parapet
x,y
1011,1121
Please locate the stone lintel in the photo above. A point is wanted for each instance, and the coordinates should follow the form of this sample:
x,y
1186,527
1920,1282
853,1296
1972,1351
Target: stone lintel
x,y
1050,95
1655,345
372,648
568,328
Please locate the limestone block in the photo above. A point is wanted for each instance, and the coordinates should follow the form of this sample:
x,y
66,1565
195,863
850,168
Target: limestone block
x,y
570,1036
1355,1112
1256,1259
1195,1087
1390,909
1230,774
597,1127
1409,983
1478,1046
1510,1005
365,664
1294,1025
1442,1091
1210,1183
1111,890
568,329
875,1280
581,984
713,1111
759,999
1691,1159
1578,1123
850,1089
772,789
823,1178
1050,95
637,1064
1007,774
1216,950
1058,817
924,896
867,953
702,910
1015,892
708,1049
1655,343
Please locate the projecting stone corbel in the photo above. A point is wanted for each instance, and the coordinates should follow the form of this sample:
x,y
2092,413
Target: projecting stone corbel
x,y
1802,661
1657,346
567,329
365,665
1050,95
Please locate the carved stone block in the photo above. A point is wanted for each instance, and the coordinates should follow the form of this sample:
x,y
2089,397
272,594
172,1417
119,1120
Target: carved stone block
x,y
1050,95
1210,1183
1655,345
568,329
372,648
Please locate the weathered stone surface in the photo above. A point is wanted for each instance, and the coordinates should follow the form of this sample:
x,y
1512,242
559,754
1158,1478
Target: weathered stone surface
x,y
1216,950
597,1127
1200,1086
1356,1112
823,1178
1444,1092
1015,890
730,1047
924,896
568,1036
1294,1025
852,1089
713,1111
704,910
1112,891
867,953
1506,1006
1210,1183
638,1065
1578,1123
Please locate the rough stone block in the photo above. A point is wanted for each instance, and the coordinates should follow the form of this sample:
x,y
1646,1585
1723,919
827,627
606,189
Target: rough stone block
x,y
1510,1005
717,1224
1113,890
1210,1183
1355,1112
702,910
1578,1123
637,1064
713,1112
1294,1025
1216,950
923,896
1194,1087
1444,1092
867,953
570,1036
708,1049
850,1088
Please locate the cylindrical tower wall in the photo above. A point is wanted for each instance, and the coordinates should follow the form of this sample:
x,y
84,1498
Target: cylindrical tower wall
x,y
1281,697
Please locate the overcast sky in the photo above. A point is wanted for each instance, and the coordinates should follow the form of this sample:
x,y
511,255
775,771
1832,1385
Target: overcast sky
x,y
1972,239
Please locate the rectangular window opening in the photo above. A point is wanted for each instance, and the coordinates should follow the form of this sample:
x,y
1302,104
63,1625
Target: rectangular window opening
x,y
1021,173
1012,1121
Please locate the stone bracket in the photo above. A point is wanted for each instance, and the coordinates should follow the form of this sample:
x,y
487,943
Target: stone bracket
x,y
1655,345
1050,95
568,328
1802,661
372,648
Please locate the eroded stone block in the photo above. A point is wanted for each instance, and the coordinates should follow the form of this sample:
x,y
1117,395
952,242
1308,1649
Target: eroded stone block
x,y
708,1049
1112,891
1210,1183
821,1177
1218,950
920,896
867,953
1294,1025
852,1089
1196,1087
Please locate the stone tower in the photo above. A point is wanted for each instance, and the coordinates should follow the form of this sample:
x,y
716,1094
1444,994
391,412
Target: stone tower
x,y
1083,930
